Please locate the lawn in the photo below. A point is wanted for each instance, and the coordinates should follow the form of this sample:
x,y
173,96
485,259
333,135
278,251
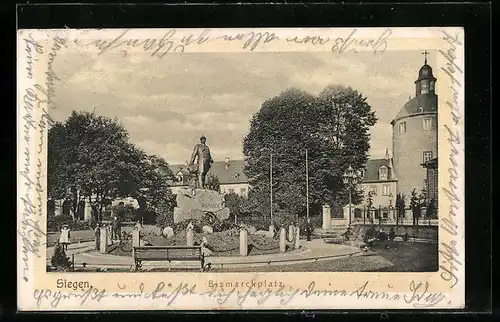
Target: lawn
x,y
389,257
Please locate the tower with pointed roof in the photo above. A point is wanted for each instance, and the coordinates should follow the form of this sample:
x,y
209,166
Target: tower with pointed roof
x,y
414,133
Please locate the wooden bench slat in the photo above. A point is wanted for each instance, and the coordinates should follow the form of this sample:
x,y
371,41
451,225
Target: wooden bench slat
x,y
167,253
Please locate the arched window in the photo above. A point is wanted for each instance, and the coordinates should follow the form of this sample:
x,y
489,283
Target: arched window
x,y
382,173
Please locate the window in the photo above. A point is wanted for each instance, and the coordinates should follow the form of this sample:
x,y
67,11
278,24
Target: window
x,y
230,190
243,192
427,155
402,127
361,173
373,190
425,87
427,124
386,189
382,173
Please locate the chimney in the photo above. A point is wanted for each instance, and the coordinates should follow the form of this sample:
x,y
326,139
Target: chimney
x,y
387,154
227,163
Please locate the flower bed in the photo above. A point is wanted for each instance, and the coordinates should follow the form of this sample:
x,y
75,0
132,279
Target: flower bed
x,y
224,243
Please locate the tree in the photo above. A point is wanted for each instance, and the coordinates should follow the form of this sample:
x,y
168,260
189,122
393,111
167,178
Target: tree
x,y
334,127
400,207
431,209
415,205
153,192
369,205
212,183
235,203
90,156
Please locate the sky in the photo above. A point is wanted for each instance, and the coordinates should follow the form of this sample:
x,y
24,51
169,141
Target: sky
x,y
167,104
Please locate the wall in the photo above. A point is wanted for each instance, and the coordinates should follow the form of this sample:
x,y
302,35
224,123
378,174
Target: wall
x,y
421,231
225,188
408,151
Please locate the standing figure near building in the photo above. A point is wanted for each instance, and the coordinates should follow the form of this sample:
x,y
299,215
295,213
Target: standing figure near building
x,y
201,155
65,238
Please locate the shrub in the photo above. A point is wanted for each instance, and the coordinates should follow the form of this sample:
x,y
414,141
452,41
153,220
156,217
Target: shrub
x,y
369,234
55,223
59,259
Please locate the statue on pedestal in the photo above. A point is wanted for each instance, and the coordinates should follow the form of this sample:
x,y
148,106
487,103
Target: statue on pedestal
x,y
201,155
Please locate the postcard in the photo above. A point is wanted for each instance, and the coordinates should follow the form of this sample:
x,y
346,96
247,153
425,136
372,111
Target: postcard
x,y
240,169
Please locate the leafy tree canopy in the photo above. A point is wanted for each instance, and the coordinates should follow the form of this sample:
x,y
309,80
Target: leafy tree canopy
x,y
333,127
90,156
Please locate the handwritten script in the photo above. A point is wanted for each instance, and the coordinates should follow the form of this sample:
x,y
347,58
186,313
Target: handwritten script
x,y
35,122
418,294
171,42
449,251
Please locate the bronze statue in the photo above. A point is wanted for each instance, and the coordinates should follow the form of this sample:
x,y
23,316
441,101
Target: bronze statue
x,y
201,155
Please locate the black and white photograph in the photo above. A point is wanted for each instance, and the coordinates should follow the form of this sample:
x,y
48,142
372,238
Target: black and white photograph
x,y
288,161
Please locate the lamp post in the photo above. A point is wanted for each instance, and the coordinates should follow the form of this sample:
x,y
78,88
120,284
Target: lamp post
x,y
350,179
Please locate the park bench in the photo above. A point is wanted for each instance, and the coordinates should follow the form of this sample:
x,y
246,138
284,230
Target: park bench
x,y
168,254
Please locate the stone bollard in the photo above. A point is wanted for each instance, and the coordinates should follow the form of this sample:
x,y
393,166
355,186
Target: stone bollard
x,y
103,247
110,235
243,242
282,240
189,237
290,233
297,237
136,238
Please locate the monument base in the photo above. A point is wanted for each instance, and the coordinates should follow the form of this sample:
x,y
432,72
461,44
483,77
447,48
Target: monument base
x,y
195,204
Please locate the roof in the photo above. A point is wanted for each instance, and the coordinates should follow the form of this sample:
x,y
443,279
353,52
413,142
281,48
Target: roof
x,y
230,174
371,170
425,72
424,103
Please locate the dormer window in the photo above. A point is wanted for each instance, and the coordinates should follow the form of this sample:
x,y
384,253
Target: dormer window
x,y
361,173
236,175
382,173
179,176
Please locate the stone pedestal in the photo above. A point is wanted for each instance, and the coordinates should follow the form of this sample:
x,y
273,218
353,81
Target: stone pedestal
x,y
297,237
87,212
195,206
243,242
189,237
136,238
103,247
291,230
282,240
271,229
327,217
110,234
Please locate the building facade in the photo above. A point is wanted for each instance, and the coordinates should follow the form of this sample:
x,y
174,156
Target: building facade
x,y
229,173
431,167
378,179
414,134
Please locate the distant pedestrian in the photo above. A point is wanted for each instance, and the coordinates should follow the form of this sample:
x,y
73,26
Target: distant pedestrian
x,y
65,238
